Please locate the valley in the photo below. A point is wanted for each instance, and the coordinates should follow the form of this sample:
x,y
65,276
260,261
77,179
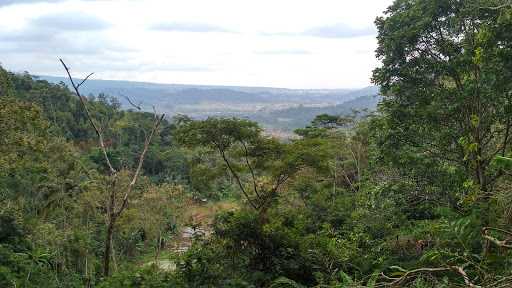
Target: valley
x,y
276,109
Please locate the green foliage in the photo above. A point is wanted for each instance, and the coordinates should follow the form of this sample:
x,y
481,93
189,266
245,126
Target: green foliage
x,y
503,162
51,191
446,81
424,183
6,87
146,277
260,165
218,133
283,282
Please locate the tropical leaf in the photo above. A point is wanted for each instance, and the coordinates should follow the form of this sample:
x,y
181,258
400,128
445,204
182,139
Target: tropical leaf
x,y
503,162
345,279
372,282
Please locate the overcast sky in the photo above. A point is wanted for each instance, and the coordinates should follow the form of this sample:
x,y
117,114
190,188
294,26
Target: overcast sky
x,y
278,43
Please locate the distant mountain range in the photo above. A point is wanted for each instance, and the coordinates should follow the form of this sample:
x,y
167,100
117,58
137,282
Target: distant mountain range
x,y
277,108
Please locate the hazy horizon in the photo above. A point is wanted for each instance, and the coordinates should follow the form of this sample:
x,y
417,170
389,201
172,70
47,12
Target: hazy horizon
x,y
285,44
92,78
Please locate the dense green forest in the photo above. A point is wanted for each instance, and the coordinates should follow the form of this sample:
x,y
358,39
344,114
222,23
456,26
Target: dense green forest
x,y
416,194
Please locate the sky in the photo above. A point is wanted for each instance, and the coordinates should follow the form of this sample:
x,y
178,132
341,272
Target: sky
x,y
306,44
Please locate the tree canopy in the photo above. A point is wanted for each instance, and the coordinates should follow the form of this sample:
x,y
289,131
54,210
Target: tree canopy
x,y
417,194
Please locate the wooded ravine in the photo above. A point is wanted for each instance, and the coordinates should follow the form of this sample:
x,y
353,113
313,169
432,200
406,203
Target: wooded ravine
x,y
95,193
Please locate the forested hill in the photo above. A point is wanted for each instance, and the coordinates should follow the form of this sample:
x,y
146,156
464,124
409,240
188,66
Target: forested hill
x,y
261,104
415,195
168,94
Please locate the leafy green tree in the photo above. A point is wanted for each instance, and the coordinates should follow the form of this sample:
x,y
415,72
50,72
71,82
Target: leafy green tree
x,y
6,87
445,74
22,148
259,165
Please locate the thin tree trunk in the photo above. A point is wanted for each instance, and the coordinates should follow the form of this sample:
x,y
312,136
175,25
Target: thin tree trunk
x,y
158,248
108,248
112,213
335,177
114,262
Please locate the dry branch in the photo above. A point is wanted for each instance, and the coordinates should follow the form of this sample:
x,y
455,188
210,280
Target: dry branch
x,y
139,165
396,281
507,243
112,213
237,177
254,182
89,117
509,4
133,104
83,81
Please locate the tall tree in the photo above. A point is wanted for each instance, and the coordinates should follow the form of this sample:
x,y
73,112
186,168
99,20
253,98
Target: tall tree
x,y
445,74
6,87
115,207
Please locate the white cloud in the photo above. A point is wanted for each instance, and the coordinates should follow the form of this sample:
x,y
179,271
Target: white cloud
x,y
283,52
187,27
13,2
176,41
69,21
339,30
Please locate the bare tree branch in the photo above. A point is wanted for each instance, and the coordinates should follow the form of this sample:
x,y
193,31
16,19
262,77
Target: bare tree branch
x,y
133,104
250,169
459,270
139,165
112,202
83,81
237,178
154,111
507,243
464,276
498,7
88,114
398,280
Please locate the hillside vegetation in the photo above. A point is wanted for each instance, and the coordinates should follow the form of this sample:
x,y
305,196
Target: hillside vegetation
x,y
260,104
415,194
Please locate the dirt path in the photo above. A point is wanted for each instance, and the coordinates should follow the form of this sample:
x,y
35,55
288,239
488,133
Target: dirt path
x,y
197,223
